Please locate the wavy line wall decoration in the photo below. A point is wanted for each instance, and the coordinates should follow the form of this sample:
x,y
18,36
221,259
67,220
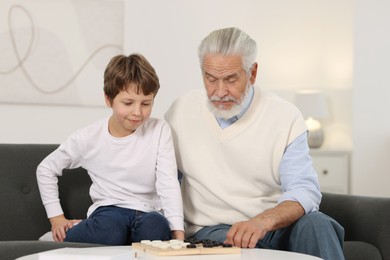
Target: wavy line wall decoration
x,y
55,52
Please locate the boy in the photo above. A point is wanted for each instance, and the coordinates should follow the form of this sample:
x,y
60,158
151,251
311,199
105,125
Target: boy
x,y
130,159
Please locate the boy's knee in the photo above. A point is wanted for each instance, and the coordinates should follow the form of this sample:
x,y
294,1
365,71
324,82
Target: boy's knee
x,y
154,218
109,228
152,226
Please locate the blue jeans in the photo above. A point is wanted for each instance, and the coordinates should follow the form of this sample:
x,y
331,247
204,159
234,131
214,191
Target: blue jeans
x,y
313,234
111,225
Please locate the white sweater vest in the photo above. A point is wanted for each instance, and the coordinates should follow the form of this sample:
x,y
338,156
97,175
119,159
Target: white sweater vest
x,y
231,174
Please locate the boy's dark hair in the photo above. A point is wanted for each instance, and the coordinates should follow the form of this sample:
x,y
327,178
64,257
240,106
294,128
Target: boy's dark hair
x,y
123,70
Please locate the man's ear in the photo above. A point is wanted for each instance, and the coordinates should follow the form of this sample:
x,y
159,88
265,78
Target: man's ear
x,y
107,100
253,73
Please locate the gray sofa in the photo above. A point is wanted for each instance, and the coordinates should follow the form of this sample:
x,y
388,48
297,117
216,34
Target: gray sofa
x,y
23,219
22,216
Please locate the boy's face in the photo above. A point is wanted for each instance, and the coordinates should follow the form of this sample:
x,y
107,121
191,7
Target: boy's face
x,y
129,110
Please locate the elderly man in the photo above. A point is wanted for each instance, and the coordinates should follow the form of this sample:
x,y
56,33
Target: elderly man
x,y
248,178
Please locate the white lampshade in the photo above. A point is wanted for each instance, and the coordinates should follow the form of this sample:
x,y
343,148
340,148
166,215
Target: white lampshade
x,y
312,103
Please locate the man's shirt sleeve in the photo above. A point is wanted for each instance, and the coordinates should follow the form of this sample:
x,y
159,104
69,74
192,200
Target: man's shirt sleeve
x,y
298,177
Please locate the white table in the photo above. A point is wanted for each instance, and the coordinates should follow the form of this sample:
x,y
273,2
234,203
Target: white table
x,y
246,254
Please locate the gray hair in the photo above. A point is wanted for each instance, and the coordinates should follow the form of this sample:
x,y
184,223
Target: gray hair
x,y
229,41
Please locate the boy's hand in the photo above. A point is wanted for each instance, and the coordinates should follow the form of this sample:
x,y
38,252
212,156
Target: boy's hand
x,y
59,226
178,234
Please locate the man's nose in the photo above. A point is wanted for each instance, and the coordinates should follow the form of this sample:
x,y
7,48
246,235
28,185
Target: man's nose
x,y
222,89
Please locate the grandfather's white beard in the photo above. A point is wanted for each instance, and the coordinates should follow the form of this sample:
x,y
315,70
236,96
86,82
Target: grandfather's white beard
x,y
233,111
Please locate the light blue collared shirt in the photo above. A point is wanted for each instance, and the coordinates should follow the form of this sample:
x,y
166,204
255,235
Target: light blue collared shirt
x,y
298,183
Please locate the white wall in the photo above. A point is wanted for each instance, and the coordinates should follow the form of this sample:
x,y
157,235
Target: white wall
x,y
371,99
65,38
302,44
44,124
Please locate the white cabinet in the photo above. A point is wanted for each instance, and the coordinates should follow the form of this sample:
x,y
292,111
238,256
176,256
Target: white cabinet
x,y
332,167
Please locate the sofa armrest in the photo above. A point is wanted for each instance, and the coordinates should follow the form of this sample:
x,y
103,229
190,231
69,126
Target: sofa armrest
x,y
364,218
22,214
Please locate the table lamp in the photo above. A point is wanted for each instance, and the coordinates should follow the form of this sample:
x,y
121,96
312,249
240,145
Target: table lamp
x,y
312,103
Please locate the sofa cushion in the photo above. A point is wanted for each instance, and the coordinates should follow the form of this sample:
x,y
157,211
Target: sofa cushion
x,y
358,250
48,236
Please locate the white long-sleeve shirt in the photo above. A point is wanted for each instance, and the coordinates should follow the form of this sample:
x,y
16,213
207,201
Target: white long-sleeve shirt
x,y
137,171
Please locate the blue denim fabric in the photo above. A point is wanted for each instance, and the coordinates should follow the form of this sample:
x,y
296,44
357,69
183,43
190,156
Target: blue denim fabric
x,y
113,225
313,234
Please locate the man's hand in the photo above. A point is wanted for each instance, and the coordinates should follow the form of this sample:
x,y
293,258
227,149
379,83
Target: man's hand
x,y
59,226
247,233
